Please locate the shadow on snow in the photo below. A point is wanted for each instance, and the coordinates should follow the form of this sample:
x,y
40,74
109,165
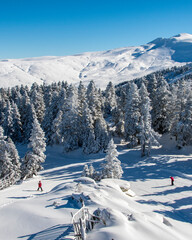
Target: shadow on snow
x,y
53,233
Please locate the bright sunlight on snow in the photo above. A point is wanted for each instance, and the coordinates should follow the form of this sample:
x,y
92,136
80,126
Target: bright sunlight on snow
x,y
117,65
142,205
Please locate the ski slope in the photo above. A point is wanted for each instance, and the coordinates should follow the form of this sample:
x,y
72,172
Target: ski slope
x,y
117,65
157,211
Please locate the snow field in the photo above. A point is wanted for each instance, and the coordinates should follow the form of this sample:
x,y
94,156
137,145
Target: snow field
x,y
158,211
117,65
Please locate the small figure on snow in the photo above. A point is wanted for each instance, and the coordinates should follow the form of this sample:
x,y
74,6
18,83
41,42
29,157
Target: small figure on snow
x,y
172,180
40,186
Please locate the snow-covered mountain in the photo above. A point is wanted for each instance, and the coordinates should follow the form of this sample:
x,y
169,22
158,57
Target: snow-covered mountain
x,y
116,65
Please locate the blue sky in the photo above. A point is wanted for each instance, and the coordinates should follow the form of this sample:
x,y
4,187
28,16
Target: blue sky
x,y
30,28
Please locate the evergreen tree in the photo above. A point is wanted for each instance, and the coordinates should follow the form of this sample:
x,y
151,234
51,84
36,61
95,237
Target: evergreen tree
x,y
184,126
89,142
132,115
17,134
148,136
91,171
112,166
81,98
9,161
179,104
86,172
15,159
69,125
162,108
30,117
35,157
2,110
38,103
50,115
101,133
56,137
12,122
110,102
118,115
8,120
83,119
94,102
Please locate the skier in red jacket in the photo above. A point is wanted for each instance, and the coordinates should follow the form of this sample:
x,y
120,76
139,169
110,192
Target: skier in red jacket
x,y
40,186
172,180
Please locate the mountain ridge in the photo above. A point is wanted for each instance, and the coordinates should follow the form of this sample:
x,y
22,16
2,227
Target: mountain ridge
x,y
116,65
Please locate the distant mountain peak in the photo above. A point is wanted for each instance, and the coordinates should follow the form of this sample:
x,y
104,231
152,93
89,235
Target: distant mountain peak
x,y
184,37
181,37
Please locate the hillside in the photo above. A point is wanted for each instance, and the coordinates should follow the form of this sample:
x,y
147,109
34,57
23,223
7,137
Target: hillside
x,y
158,211
116,65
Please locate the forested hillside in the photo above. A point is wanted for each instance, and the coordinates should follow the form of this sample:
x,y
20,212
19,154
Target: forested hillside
x,y
137,112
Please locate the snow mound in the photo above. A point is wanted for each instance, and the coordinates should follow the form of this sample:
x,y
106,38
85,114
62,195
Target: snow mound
x,y
85,180
134,226
118,184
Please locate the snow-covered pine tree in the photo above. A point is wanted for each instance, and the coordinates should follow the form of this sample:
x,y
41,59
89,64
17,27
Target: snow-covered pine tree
x,y
82,113
2,110
38,102
50,114
81,97
15,159
110,102
9,172
112,165
86,172
60,100
99,123
184,126
94,102
120,125
56,137
57,108
47,95
93,130
69,125
118,113
37,141
147,135
179,96
12,122
101,133
16,95
91,171
23,102
8,120
162,108
35,157
24,90
17,134
90,144
101,99
27,117
132,115
152,86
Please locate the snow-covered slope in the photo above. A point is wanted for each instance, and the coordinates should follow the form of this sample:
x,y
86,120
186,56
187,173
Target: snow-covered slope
x,y
158,211
116,65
